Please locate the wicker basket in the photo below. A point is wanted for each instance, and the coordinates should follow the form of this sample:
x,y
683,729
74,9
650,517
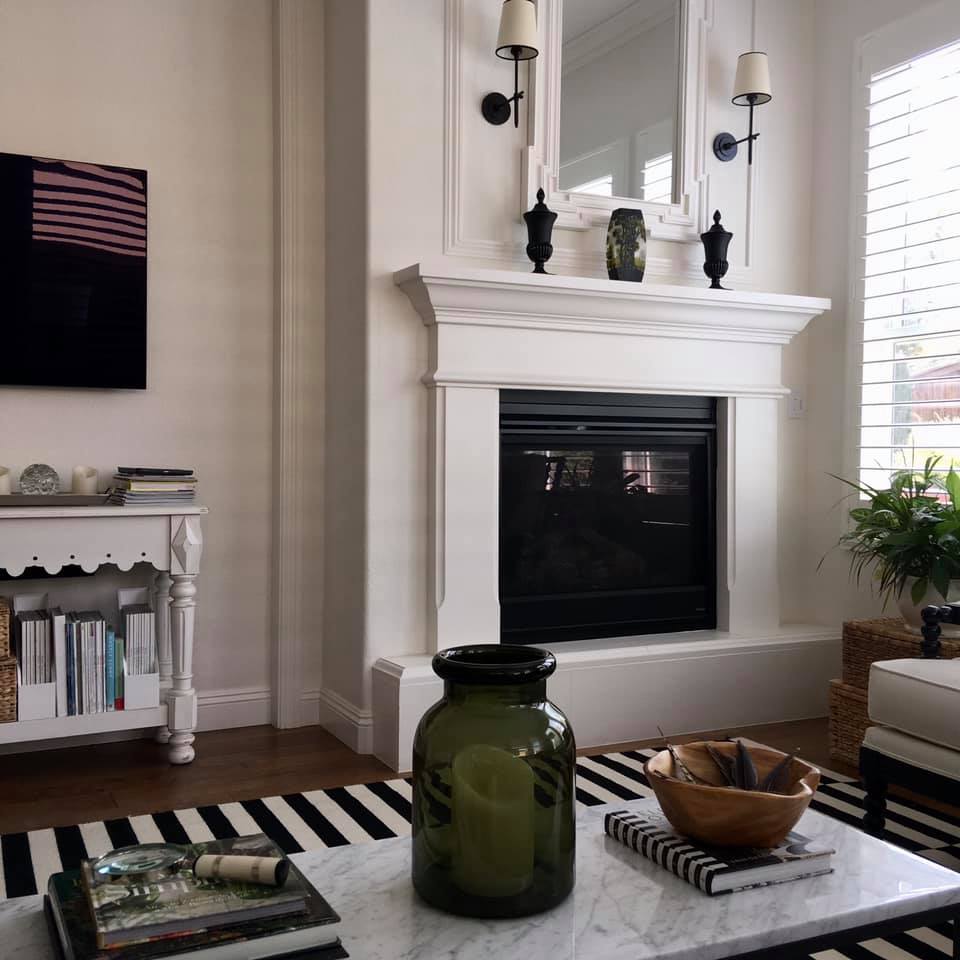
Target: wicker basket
x,y
866,641
8,689
848,721
4,627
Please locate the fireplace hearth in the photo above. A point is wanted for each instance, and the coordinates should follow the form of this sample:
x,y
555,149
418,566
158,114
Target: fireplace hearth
x,y
607,515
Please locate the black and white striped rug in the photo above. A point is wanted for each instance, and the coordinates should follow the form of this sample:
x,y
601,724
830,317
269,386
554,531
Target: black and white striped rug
x,y
376,811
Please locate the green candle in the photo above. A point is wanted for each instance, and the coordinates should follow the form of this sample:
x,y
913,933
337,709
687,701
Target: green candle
x,y
493,822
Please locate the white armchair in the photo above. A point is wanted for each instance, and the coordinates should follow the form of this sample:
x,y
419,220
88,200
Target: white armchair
x,y
914,740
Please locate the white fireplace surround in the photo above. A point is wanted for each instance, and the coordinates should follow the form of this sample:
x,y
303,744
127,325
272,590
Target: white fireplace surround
x,y
495,329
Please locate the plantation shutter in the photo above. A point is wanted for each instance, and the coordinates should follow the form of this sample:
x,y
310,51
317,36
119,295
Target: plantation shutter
x,y
910,266
657,179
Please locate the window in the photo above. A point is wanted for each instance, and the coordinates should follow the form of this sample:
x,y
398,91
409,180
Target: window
x,y
600,187
910,249
656,180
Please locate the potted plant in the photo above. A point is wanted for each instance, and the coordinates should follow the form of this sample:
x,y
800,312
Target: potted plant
x,y
910,535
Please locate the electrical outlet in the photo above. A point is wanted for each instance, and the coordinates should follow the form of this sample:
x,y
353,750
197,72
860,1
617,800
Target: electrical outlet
x,y
796,406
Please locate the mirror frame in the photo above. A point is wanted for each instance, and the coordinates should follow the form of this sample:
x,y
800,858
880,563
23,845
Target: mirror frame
x,y
682,220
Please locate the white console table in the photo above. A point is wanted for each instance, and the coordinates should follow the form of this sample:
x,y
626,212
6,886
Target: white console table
x,y
168,538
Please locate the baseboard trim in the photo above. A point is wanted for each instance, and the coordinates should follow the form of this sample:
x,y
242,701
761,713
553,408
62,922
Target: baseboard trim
x,y
216,710
621,691
234,707
345,720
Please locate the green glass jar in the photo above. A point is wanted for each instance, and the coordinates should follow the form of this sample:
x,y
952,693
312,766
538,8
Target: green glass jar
x,y
493,786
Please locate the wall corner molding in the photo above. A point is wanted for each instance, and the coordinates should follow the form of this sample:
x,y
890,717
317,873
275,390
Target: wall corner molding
x,y
294,310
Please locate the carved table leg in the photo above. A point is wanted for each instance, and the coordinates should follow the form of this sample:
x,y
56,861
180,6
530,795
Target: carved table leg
x,y
182,698
164,648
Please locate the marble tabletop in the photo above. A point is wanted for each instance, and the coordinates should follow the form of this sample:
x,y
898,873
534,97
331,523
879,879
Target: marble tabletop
x,y
623,906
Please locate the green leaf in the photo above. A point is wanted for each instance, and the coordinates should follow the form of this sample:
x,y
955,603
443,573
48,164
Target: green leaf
x,y
940,576
952,483
918,590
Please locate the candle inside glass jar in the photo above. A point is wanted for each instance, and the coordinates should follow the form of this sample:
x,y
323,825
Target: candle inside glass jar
x,y
493,819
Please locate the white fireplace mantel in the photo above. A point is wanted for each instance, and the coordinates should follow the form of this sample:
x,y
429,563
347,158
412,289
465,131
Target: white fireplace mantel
x,y
506,329
493,330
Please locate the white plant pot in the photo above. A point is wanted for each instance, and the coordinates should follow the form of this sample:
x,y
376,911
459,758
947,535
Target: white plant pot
x,y
910,611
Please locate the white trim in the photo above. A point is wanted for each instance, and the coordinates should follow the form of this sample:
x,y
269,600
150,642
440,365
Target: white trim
x,y
234,707
346,721
295,96
619,690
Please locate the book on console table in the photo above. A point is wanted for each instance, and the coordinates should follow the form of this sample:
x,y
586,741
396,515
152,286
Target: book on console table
x,y
717,869
134,919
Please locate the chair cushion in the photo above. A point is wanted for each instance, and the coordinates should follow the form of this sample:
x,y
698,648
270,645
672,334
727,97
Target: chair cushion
x,y
919,697
918,753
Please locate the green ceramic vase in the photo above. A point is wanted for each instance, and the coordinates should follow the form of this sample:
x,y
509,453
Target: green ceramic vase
x,y
493,786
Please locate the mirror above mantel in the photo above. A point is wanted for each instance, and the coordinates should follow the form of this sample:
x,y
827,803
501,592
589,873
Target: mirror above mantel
x,y
617,111
618,98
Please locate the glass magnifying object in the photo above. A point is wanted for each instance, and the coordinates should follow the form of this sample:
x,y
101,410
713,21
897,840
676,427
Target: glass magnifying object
x,y
146,861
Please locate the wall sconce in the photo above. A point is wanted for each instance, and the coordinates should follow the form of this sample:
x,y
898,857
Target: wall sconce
x,y
750,89
516,41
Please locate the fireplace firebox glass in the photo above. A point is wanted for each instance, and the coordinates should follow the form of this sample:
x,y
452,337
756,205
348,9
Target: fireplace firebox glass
x,y
607,515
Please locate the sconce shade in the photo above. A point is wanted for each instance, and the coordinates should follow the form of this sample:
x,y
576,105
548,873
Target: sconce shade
x,y
753,79
518,30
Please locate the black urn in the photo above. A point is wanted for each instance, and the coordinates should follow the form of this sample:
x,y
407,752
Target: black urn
x,y
715,242
540,221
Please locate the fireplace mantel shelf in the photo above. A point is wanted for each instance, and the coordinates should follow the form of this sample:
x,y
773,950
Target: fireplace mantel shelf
x,y
447,293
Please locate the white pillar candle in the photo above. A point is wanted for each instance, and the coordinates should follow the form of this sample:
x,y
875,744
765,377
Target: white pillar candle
x,y
4,481
492,810
84,480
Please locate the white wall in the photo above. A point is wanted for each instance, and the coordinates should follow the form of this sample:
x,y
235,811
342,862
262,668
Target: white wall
x,y
404,210
183,89
839,26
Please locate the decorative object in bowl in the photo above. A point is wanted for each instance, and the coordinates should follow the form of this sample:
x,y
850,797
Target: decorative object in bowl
x,y
709,810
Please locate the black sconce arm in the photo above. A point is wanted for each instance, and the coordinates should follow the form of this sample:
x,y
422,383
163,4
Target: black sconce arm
x,y
496,108
725,145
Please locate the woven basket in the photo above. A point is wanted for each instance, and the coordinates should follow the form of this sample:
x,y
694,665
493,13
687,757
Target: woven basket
x,y
867,641
8,689
848,721
4,627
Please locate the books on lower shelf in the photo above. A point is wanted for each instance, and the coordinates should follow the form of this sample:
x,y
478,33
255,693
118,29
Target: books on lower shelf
x,y
180,915
152,486
717,870
73,663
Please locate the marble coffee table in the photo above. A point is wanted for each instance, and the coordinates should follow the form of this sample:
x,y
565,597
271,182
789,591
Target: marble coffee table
x,y
623,906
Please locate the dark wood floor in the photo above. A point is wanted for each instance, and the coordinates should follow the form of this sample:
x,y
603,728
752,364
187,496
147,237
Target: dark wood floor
x,y
60,787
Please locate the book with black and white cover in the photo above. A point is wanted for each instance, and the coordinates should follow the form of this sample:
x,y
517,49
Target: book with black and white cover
x,y
717,870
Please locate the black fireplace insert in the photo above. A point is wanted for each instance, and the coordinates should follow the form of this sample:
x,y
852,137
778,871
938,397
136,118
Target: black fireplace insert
x,y
607,515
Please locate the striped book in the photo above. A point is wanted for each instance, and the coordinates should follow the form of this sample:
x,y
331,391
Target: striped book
x,y
714,869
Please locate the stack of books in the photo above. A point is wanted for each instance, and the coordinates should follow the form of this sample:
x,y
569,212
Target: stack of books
x,y
91,680
139,625
142,918
34,653
153,486
717,869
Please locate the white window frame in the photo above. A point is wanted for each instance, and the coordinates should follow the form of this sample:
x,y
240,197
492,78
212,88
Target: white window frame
x,y
918,33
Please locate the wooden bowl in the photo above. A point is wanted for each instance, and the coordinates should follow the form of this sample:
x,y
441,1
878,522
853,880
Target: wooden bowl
x,y
724,816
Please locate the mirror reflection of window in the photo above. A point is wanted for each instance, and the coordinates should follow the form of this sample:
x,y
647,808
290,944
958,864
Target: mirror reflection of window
x,y
619,98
